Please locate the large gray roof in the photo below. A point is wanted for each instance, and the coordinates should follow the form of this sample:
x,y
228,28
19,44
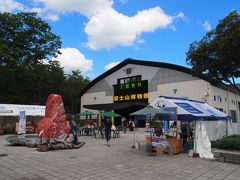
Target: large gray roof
x,y
212,81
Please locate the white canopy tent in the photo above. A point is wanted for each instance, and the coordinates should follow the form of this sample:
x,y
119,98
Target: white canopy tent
x,y
211,124
14,110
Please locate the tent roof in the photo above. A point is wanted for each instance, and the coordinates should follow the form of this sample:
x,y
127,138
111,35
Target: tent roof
x,y
188,109
14,110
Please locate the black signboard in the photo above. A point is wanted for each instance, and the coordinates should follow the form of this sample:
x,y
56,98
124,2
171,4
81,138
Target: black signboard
x,y
132,91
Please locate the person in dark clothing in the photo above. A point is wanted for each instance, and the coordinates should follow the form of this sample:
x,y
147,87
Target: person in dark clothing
x,y
124,124
108,126
74,130
184,136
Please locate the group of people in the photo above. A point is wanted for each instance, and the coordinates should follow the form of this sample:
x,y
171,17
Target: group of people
x,y
108,127
126,123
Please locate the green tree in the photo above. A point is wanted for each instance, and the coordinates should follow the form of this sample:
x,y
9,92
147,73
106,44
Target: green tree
x,y
25,41
74,83
218,53
25,38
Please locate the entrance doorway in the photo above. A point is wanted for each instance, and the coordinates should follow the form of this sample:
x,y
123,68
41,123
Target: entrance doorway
x,y
126,113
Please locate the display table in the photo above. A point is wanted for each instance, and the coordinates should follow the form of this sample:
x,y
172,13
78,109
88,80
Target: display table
x,y
169,144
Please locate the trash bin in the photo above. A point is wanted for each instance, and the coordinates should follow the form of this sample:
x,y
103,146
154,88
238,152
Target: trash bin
x,y
189,144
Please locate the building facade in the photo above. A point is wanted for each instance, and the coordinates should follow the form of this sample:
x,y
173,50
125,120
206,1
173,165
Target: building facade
x,y
133,84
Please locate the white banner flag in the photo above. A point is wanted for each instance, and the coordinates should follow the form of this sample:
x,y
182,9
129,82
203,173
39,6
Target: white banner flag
x,y
22,123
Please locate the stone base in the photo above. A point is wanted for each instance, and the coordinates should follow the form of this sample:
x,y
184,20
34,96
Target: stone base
x,y
22,140
66,146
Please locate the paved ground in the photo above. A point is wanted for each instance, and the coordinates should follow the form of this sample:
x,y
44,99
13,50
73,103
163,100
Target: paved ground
x,y
97,161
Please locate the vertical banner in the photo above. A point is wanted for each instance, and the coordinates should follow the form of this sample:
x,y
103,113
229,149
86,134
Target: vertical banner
x,y
165,125
22,123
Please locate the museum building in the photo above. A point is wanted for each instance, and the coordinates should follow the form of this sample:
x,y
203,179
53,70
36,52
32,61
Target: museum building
x,y
133,84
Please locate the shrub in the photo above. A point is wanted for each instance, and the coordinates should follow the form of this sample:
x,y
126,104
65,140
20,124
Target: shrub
x,y
229,142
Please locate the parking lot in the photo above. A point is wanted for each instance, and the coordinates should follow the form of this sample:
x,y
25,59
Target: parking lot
x,y
95,160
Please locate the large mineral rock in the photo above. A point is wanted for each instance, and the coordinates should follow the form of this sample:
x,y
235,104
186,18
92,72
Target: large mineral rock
x,y
54,124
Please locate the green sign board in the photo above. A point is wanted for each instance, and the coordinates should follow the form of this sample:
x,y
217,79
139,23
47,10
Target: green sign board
x,y
133,91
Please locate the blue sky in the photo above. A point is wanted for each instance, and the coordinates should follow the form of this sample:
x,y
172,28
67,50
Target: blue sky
x,y
96,34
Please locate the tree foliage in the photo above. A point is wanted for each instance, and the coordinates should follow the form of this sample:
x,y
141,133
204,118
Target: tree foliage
x,y
74,83
218,53
25,38
26,44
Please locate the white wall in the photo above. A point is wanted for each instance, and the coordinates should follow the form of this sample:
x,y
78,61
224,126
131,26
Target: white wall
x,y
192,89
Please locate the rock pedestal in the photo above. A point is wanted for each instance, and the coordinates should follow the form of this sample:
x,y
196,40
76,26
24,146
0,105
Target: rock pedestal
x,y
54,129
54,124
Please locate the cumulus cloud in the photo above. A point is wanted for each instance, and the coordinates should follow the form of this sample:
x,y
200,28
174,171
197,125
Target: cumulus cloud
x,y
84,7
106,28
73,59
207,26
110,28
111,65
10,5
52,17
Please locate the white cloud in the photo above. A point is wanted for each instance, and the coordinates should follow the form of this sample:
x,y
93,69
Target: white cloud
x,y
106,27
37,10
207,26
111,65
181,15
73,59
10,5
84,7
52,17
122,2
109,28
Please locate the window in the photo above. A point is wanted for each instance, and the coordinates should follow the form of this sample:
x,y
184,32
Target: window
x,y
133,79
219,98
129,70
138,78
129,79
214,97
121,81
233,115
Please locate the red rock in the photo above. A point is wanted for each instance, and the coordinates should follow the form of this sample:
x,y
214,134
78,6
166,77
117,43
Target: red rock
x,y
54,123
30,127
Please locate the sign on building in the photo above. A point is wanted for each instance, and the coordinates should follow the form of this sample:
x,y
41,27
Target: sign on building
x,y
132,91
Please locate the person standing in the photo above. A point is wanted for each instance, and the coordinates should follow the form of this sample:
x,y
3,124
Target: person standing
x,y
131,125
74,130
108,126
124,124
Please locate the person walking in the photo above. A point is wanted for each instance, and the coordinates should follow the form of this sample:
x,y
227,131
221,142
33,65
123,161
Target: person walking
x,y
108,126
124,124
